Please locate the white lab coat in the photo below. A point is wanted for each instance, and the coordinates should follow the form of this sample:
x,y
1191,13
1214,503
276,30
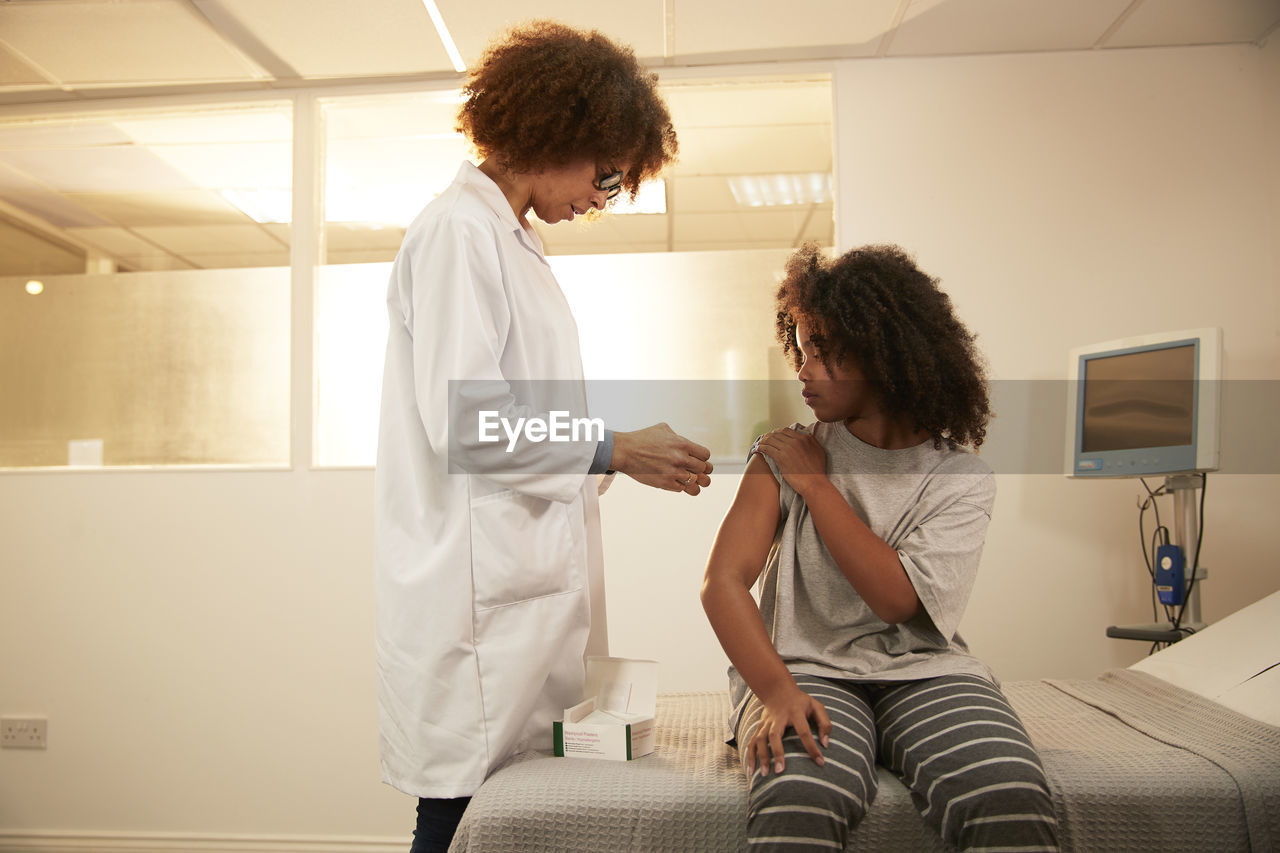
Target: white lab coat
x,y
488,584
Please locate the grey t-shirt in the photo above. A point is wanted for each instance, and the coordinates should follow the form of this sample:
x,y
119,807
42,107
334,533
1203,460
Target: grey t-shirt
x,y
933,507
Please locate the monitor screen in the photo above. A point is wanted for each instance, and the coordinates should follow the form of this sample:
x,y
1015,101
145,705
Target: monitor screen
x,y
1145,405
1139,399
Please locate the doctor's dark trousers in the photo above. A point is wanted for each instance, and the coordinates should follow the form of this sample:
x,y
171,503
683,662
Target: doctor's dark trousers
x,y
437,822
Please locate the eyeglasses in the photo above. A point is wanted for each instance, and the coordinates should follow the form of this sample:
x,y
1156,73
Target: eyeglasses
x,y
610,183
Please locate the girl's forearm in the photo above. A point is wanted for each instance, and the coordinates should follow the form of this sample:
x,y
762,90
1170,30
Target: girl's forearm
x,y
735,618
873,568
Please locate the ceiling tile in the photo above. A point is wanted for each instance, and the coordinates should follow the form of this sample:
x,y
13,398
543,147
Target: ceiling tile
x,y
1168,22
821,228
183,240
751,149
55,209
282,231
101,169
237,260
116,241
77,133
239,124
190,207
37,199
638,228
731,103
144,41
709,227
25,253
148,263
246,165
14,72
709,28
337,38
782,223
609,235
940,27
703,194
638,24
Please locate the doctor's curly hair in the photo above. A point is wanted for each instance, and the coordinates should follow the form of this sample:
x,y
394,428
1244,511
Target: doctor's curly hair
x,y
875,306
547,95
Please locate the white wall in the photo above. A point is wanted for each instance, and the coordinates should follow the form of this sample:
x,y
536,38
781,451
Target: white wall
x,y
202,646
1065,199
202,642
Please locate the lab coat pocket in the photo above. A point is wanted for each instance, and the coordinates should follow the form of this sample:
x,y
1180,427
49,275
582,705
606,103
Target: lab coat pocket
x,y
522,547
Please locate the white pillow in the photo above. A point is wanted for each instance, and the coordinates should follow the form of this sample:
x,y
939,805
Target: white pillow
x,y
1233,661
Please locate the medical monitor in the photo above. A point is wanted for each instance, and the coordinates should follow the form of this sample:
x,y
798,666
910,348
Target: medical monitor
x,y
1145,406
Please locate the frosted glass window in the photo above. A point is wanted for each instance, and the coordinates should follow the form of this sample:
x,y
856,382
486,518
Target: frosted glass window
x,y
201,187
386,157
145,369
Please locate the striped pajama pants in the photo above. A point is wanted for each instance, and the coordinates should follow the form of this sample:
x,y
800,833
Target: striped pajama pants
x,y
953,740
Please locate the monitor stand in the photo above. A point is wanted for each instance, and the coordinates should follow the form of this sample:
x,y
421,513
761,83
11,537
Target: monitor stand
x,y
1185,532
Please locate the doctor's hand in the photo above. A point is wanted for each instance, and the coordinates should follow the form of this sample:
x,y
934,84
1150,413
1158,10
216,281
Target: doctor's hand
x,y
658,456
793,710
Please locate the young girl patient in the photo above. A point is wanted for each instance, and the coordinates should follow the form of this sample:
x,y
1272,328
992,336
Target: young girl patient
x,y
865,530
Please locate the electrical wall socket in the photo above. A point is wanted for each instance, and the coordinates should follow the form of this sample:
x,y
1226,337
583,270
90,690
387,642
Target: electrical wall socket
x,y
24,732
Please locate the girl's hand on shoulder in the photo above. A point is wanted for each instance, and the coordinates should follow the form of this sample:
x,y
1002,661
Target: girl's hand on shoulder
x,y
793,710
798,455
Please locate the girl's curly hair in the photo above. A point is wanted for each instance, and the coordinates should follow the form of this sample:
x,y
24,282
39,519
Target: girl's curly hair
x,y
875,306
547,95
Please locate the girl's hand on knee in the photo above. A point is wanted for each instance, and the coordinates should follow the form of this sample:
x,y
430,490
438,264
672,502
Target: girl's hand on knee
x,y
793,710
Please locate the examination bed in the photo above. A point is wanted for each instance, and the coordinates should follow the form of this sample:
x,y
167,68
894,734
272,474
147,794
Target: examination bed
x,y
1136,763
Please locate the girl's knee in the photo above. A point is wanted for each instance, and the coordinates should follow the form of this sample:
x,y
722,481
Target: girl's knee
x,y
1015,814
804,805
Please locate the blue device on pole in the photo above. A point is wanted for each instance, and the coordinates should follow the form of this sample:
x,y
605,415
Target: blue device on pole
x,y
1170,578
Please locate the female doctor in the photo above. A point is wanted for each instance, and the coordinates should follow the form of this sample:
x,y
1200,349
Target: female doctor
x,y
487,551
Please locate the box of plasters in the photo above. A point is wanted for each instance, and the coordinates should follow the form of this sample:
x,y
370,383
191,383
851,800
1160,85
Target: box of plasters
x,y
616,718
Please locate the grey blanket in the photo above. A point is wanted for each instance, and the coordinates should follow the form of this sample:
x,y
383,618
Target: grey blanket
x,y
1135,765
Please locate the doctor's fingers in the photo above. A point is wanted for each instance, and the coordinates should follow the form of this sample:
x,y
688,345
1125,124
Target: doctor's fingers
x,y
698,467
692,484
697,451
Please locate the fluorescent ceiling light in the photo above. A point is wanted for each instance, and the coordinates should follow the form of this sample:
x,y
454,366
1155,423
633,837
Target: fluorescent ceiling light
x,y
449,47
650,198
777,190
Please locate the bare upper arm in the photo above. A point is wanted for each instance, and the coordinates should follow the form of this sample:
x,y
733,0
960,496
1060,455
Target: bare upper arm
x,y
746,533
